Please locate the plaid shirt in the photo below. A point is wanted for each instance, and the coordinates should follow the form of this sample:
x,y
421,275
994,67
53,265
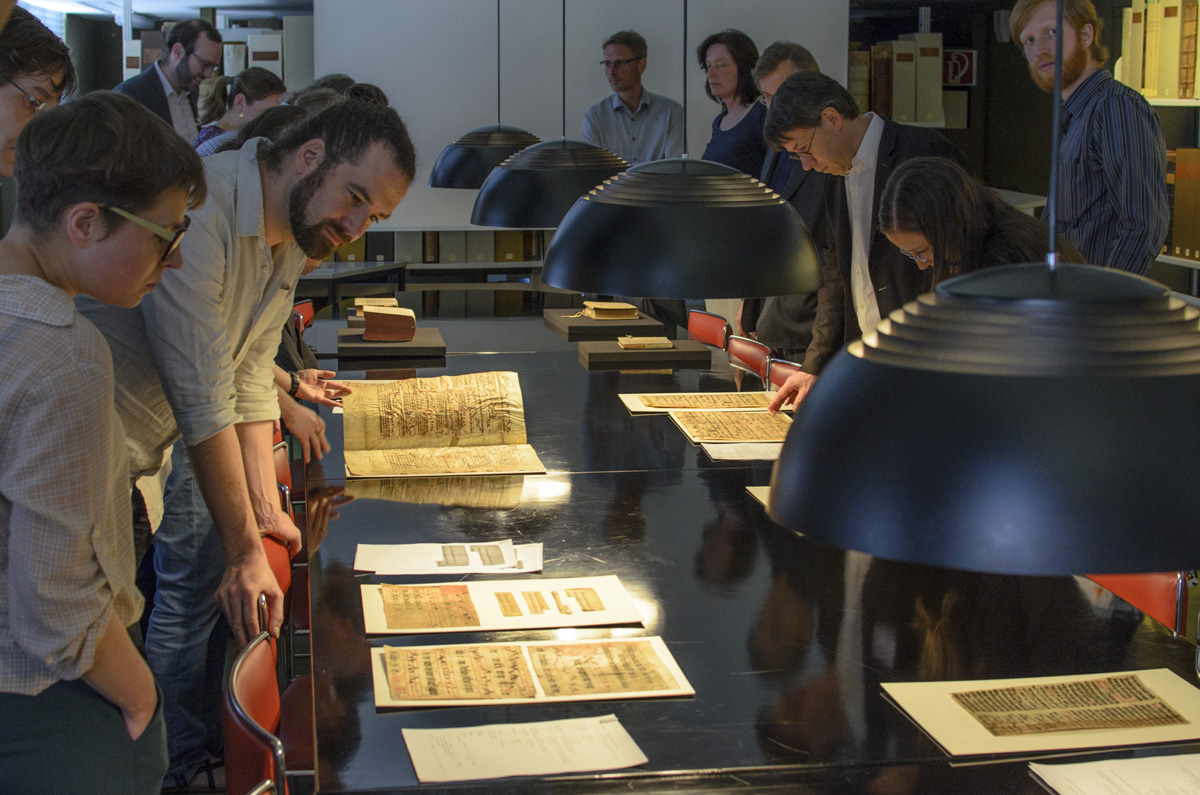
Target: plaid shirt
x,y
1112,184
66,542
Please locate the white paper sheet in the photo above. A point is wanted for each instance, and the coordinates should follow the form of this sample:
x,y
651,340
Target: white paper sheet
x,y
499,750
509,604
932,707
501,557
1153,775
760,493
743,451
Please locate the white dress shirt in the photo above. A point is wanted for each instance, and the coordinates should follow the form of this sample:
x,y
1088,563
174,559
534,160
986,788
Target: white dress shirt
x,y
860,198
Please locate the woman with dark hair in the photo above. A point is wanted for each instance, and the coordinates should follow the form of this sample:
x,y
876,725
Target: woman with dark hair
x,y
234,101
942,218
728,59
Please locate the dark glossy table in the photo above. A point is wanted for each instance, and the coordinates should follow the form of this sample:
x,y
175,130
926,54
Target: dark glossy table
x,y
785,641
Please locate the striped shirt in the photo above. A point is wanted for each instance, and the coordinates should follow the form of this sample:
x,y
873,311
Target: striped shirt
x,y
1112,185
66,540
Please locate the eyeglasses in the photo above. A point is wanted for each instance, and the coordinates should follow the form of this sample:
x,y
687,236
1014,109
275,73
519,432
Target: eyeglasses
x,y
918,256
619,63
765,99
808,149
205,66
34,103
174,236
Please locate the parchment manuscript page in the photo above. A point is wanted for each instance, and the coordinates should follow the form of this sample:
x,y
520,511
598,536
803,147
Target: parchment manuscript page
x,y
714,400
501,673
446,411
498,459
1115,702
732,426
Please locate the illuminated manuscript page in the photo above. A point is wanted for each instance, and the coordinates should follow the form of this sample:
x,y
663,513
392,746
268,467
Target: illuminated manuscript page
x,y
948,711
732,426
504,673
500,459
446,411
698,401
497,605
1115,702
521,749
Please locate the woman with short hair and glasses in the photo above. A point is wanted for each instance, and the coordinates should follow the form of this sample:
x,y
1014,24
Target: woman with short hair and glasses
x,y
943,218
102,188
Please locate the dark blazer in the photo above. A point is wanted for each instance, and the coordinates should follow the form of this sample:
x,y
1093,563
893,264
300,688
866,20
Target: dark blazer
x,y
896,279
147,89
784,322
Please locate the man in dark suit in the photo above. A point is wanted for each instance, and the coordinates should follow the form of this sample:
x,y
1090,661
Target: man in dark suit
x,y
169,87
816,120
784,322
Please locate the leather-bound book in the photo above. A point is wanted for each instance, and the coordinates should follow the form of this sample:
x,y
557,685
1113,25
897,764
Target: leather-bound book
x,y
388,324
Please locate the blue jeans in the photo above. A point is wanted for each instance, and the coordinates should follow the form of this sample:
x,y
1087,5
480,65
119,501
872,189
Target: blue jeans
x,y
189,563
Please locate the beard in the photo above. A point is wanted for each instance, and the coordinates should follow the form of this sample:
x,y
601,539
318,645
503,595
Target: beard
x,y
184,76
1073,66
311,237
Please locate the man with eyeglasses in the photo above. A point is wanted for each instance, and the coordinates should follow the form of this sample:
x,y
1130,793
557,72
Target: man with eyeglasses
x,y
1112,196
169,87
784,322
634,123
817,121
35,72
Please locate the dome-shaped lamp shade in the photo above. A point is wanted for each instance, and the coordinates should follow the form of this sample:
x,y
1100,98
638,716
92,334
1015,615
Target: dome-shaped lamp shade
x,y
683,229
1016,420
534,188
467,162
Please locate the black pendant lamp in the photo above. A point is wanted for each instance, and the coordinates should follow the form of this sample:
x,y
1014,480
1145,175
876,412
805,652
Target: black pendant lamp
x,y
1026,419
683,228
535,187
467,162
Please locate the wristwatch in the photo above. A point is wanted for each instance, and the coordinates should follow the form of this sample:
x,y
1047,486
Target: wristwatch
x,y
295,385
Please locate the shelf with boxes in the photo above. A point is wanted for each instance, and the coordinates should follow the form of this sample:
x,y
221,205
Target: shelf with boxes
x,y
456,272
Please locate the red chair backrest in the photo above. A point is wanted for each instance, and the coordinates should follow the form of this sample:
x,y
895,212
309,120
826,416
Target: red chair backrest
x,y
280,561
780,370
251,716
749,355
1162,596
708,328
304,312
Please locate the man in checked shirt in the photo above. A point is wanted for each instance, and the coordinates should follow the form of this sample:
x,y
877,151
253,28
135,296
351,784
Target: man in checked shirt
x,y
1112,187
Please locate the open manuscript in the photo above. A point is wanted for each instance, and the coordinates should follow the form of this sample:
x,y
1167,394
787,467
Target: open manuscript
x,y
496,605
485,674
449,425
